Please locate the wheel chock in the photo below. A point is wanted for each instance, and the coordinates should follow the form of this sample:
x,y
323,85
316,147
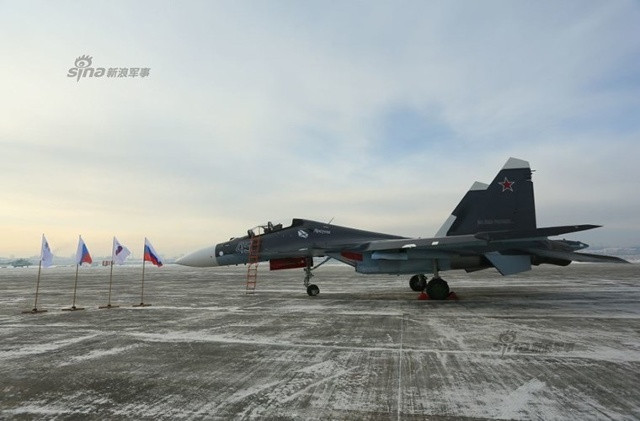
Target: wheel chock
x,y
452,296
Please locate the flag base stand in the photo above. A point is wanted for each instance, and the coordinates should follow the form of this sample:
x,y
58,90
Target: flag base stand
x,y
34,311
108,306
73,308
142,305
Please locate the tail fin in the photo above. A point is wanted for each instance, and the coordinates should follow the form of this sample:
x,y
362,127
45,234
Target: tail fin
x,y
505,204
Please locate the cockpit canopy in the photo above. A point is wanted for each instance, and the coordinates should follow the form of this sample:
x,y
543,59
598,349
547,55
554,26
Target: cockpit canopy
x,y
271,227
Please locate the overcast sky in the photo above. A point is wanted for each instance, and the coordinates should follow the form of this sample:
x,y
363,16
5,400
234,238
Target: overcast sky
x,y
377,114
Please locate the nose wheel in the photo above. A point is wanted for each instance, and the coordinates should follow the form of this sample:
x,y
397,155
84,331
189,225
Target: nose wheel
x,y
312,289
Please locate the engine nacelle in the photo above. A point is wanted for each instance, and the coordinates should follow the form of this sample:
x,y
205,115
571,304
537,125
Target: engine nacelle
x,y
538,260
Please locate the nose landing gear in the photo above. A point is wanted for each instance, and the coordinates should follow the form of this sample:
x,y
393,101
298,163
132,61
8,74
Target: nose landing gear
x,y
312,289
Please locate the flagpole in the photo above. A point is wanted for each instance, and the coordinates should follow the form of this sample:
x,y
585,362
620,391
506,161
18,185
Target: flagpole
x,y
111,275
142,304
142,288
75,288
35,305
110,282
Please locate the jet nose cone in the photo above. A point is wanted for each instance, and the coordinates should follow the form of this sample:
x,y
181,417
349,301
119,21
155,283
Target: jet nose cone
x,y
200,259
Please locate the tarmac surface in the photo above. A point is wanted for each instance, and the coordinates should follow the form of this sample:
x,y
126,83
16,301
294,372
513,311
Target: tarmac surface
x,y
553,343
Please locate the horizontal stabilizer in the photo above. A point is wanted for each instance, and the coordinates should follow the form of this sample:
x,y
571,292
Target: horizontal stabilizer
x,y
576,257
534,233
508,265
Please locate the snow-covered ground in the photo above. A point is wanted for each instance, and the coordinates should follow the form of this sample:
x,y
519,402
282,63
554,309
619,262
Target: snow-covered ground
x,y
553,343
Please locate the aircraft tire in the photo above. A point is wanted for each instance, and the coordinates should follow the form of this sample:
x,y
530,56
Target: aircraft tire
x,y
438,289
418,282
313,290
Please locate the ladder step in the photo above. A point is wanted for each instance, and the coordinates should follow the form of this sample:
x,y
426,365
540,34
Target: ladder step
x,y
253,261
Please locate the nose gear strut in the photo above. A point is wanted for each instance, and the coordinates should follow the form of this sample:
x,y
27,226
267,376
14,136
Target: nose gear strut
x,y
312,289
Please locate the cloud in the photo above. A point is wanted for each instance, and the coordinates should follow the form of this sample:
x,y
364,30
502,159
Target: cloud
x,y
379,114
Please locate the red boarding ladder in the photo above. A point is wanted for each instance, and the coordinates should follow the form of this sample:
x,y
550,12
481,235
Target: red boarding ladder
x,y
254,260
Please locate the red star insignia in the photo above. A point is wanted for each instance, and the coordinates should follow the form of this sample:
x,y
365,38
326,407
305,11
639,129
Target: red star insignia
x,y
506,184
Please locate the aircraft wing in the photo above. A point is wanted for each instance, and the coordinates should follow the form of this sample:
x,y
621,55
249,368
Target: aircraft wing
x,y
509,252
436,243
576,257
472,240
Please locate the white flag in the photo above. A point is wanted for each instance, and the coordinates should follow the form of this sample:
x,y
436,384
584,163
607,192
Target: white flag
x,y
120,252
46,257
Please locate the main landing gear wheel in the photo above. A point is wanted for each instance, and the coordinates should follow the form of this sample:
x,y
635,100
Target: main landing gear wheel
x,y
438,289
313,290
418,282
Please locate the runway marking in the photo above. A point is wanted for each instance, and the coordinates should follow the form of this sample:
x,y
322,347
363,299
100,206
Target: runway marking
x,y
402,322
200,337
294,395
43,348
255,305
98,353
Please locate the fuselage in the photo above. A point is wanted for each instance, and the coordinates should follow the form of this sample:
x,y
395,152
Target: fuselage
x,y
303,238
308,239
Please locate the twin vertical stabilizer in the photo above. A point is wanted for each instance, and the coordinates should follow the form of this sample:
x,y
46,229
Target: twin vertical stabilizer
x,y
505,204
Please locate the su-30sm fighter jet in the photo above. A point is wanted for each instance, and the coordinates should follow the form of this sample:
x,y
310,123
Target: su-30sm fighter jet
x,y
494,225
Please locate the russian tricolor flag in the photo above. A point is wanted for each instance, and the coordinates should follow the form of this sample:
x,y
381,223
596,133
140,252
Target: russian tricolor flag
x,y
82,254
150,254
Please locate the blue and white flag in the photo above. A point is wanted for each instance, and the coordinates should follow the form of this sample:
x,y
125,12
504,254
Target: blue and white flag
x,y
46,257
120,252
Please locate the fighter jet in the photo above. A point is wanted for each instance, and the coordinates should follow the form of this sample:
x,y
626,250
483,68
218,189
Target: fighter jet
x,y
494,225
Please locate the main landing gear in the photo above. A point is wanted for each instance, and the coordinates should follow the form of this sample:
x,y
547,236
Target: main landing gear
x,y
312,289
418,282
437,288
